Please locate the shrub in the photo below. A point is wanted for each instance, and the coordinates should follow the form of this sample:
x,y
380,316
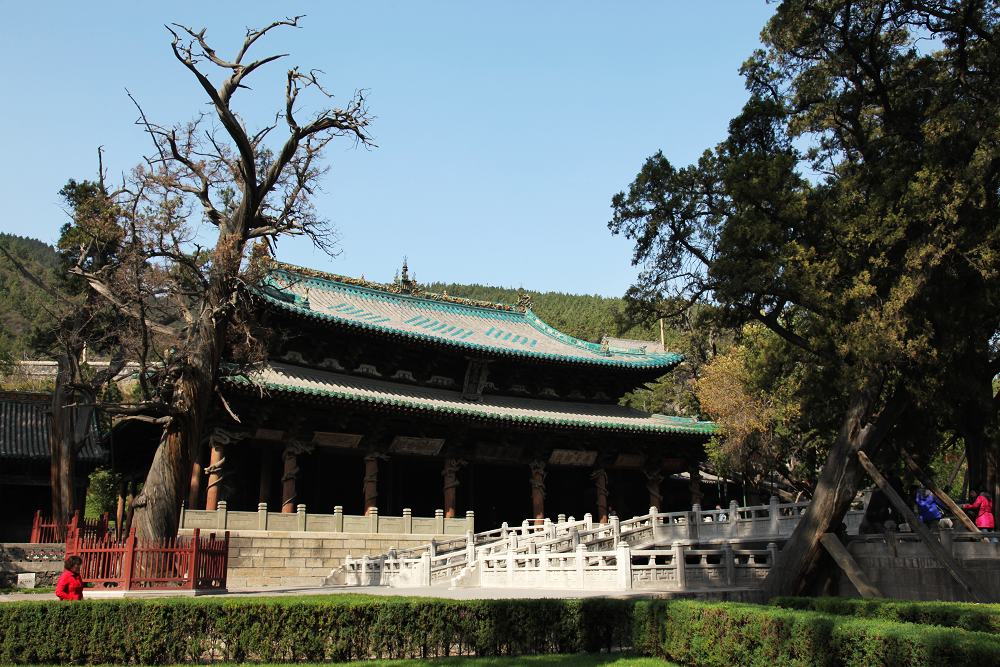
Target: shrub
x,y
304,629
713,635
965,615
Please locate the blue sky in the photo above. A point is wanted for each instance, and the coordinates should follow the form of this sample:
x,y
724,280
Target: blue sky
x,y
503,129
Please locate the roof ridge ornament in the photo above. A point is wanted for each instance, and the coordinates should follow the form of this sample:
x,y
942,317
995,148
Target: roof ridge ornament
x,y
523,299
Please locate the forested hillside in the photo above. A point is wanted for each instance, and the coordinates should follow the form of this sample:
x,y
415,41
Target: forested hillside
x,y
585,316
26,322
25,311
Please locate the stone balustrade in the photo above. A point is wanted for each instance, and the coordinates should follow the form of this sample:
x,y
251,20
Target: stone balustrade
x,y
302,521
708,543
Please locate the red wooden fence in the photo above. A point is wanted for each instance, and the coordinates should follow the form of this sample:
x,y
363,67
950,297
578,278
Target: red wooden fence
x,y
130,563
45,530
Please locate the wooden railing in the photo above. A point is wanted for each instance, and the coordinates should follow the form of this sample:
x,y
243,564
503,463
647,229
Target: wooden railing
x,y
45,530
130,563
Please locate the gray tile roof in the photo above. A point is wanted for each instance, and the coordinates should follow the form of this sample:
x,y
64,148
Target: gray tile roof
x,y
300,381
24,428
493,329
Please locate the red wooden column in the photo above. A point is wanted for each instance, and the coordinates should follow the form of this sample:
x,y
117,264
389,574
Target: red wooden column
x,y
264,489
370,484
537,481
290,477
600,477
194,490
450,475
215,475
695,484
654,477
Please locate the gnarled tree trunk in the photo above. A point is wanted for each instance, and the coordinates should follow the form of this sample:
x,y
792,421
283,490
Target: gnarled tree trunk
x,y
837,485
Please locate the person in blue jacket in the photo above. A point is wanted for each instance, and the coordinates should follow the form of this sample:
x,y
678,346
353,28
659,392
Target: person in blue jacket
x,y
927,507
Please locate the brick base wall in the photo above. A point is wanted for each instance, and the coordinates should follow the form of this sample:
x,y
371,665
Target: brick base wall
x,y
269,559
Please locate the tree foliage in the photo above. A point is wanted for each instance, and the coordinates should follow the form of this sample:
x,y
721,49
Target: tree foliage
x,y
852,212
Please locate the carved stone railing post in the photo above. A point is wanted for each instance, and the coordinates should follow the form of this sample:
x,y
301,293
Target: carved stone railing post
x,y
407,520
774,514
221,515
261,516
439,521
734,518
543,562
588,521
511,564
373,519
616,529
694,519
300,521
772,547
425,567
623,559
561,518
681,565
470,521
470,547
947,538
338,519
730,561
581,564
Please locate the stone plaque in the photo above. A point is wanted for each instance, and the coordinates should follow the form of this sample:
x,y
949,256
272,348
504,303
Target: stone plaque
x,y
628,461
572,457
498,452
674,464
343,440
403,444
269,434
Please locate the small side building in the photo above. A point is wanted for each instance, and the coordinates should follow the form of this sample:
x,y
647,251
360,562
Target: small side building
x,y
25,477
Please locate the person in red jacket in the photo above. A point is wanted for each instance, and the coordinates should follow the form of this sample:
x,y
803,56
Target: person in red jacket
x,y
984,505
70,585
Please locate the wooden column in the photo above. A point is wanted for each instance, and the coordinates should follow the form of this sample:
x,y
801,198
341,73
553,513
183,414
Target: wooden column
x,y
695,484
370,486
654,477
537,481
120,509
215,475
450,475
264,489
600,477
290,477
194,490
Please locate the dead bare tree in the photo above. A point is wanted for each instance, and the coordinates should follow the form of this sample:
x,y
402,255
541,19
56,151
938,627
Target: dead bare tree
x,y
183,302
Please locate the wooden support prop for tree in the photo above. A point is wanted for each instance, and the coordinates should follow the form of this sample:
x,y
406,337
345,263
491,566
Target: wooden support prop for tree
x,y
920,529
928,482
849,566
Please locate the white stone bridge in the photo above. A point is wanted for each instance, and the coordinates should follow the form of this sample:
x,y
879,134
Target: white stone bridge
x,y
728,548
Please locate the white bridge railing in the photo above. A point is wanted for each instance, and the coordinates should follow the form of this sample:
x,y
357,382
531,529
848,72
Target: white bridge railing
x,y
662,550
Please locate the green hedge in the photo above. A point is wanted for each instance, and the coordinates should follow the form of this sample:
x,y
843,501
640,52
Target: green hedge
x,y
718,635
966,615
341,628
319,629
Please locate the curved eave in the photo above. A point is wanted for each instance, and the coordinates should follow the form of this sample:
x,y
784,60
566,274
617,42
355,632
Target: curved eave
x,y
660,362
696,429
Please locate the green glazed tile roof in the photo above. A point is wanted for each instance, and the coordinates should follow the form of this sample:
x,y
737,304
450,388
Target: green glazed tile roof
x,y
307,382
493,329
